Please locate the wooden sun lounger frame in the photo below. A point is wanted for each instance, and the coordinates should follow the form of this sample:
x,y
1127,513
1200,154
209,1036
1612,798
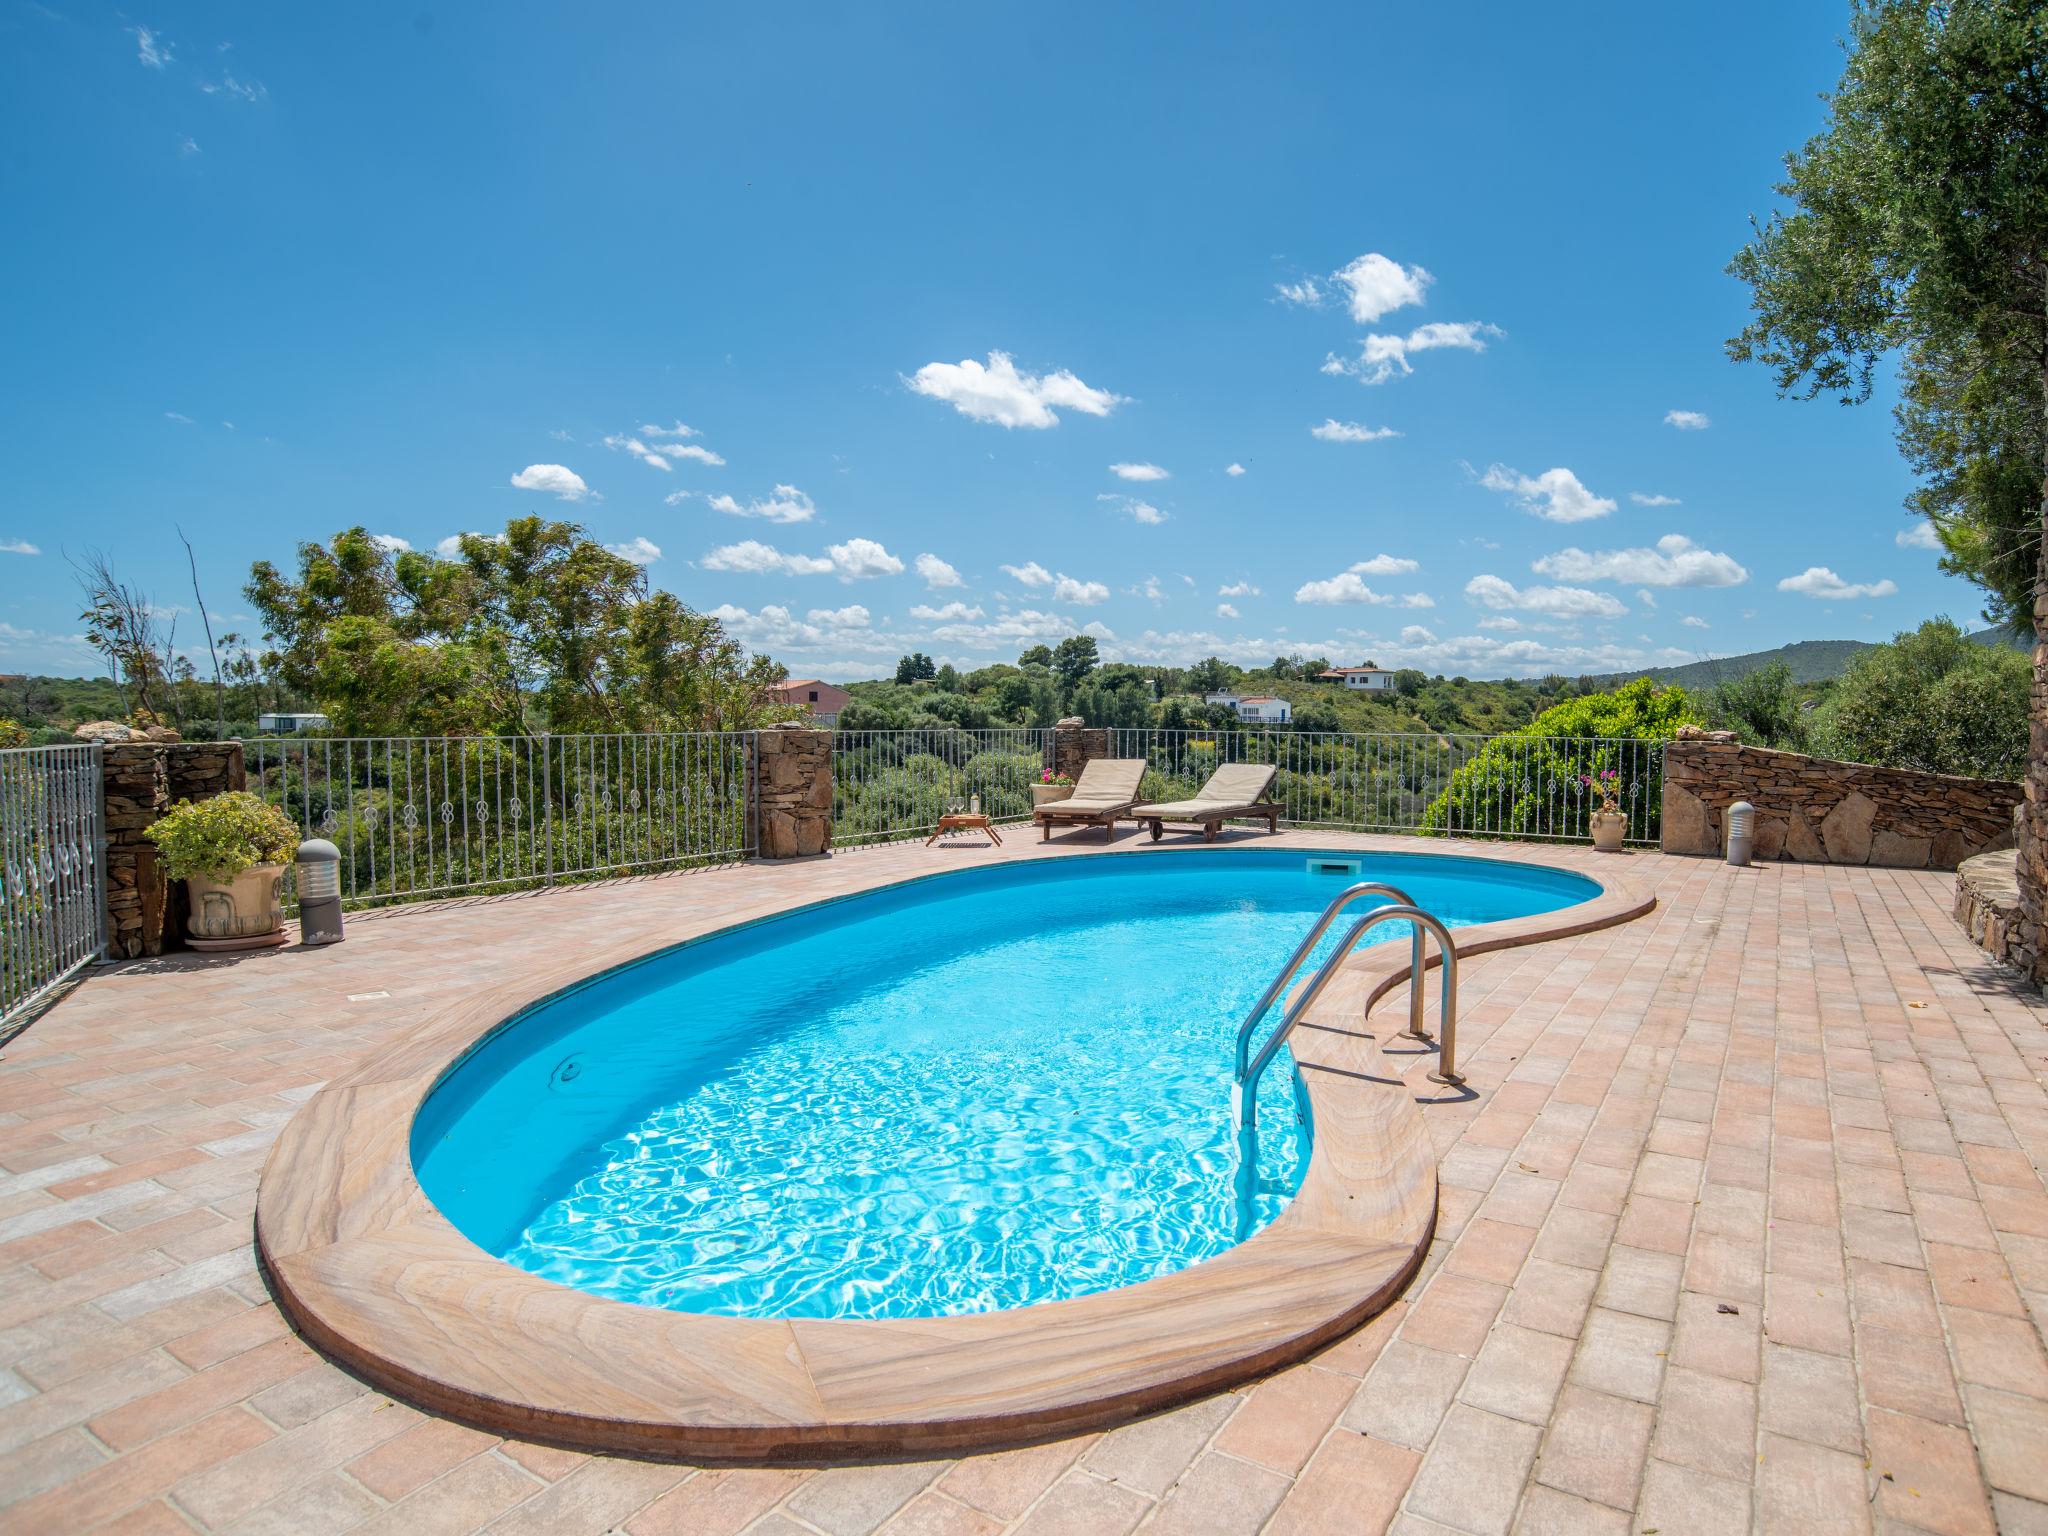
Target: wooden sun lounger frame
x,y
1212,821
1103,816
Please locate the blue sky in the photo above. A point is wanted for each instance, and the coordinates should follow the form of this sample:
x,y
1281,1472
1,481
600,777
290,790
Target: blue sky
x,y
844,317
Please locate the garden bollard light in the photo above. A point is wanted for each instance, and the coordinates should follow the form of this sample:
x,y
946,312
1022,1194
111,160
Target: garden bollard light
x,y
319,892
1741,832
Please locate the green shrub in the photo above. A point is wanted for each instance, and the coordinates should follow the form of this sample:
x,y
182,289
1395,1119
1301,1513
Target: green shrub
x,y
1531,782
221,837
1933,699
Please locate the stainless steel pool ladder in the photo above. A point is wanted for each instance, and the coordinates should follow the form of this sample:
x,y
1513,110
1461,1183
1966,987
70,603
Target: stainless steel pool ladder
x,y
1250,1066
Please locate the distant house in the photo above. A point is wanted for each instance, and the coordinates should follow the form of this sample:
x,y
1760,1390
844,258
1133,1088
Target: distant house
x,y
1369,678
1264,709
1221,696
824,700
285,725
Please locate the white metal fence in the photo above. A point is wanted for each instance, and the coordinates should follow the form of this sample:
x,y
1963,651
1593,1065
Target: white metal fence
x,y
418,817
888,785
1540,787
53,900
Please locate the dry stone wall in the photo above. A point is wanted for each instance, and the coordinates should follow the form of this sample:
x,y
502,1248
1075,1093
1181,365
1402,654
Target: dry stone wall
x,y
1816,811
792,793
1075,745
144,779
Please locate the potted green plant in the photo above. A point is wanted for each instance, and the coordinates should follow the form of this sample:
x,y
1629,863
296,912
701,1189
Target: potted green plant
x,y
231,851
1050,787
1609,824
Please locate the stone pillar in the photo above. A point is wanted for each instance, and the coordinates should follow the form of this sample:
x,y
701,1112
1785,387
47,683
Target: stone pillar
x,y
792,793
144,779
2029,940
1075,745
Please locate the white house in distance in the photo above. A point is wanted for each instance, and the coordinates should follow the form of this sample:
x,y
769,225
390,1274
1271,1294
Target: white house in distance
x,y
1254,708
1369,678
288,724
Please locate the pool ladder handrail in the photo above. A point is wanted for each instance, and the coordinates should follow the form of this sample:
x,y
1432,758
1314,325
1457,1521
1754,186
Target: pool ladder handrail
x,y
1245,1101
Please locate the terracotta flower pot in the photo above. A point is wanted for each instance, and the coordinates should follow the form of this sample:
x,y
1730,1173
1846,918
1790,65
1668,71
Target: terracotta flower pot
x,y
245,911
1609,828
1045,794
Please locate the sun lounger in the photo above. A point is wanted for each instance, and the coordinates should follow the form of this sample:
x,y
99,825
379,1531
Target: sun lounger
x,y
1106,790
1235,792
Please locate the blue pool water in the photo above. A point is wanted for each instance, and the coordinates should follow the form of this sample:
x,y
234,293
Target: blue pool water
x,y
1000,1086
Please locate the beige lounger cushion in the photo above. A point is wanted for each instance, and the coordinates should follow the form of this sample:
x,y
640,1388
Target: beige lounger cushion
x,y
1233,787
1106,784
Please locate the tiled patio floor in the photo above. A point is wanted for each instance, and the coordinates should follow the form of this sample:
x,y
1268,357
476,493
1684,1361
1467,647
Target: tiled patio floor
x,y
1745,1230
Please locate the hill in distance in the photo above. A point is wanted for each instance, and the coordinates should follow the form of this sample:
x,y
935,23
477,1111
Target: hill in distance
x,y
1810,661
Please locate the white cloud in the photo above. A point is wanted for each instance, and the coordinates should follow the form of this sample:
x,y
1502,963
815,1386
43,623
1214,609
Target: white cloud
x,y
1556,494
785,504
1693,621
1568,602
852,616
1139,472
1000,393
775,628
1646,597
1380,358
560,436
1334,431
646,455
1643,499
238,90
390,543
1349,588
1687,421
1386,565
179,417
1378,285
150,48
187,145
556,480
1306,292
450,548
639,549
937,573
1416,634
1239,589
660,455
755,558
18,547
648,429
1675,562
1501,622
950,613
1820,582
1139,509
1225,611
1031,574
1233,470
860,559
1065,589
1920,535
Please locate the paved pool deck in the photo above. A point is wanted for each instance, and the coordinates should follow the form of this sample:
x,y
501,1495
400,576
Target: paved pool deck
x,y
1745,1230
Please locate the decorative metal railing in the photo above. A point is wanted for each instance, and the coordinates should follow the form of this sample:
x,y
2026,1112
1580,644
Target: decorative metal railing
x,y
888,785
1453,785
53,899
418,817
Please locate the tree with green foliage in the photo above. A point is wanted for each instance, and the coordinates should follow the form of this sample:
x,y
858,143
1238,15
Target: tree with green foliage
x,y
1073,659
540,628
1036,656
1935,700
916,668
1209,675
1762,707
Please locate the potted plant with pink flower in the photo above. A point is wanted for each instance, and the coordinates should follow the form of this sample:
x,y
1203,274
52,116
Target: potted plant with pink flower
x,y
1050,787
1609,823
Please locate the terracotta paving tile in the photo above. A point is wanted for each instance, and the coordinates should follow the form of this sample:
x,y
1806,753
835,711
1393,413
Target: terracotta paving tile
x,y
1641,1280
1491,1250
1680,1500
1080,1505
1927,1475
1708,1423
1222,1496
597,1496
1811,1396
1595,1447
1006,1484
1806,1315
1354,1484
1996,1351
1808,1490
200,1393
2010,1432
852,1501
1551,1297
328,1504
417,1456
466,1499
114,1485
1284,1417
929,1514
1454,1314
1973,1277
1908,1373
1717,1341
1517,1374
720,1501
1405,1397
1547,1512
218,1341
1149,1454
1471,1477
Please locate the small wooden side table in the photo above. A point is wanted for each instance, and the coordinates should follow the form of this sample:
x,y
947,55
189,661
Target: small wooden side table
x,y
963,821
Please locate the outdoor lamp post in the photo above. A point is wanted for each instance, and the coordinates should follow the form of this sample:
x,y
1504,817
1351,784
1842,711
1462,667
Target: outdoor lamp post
x,y
319,892
1741,832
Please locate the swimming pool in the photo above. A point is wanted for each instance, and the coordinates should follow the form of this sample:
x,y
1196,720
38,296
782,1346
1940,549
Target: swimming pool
x,y
966,1093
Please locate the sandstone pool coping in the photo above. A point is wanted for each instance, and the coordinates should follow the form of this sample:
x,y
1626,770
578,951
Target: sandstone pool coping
x,y
377,1278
